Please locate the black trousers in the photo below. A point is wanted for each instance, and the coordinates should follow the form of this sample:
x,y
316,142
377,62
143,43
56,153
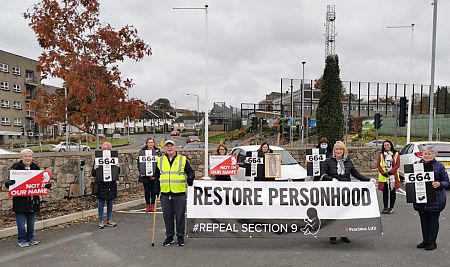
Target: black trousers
x,y
149,189
174,208
388,194
429,221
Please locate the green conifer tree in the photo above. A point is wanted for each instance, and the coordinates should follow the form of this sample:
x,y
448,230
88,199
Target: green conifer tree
x,y
330,117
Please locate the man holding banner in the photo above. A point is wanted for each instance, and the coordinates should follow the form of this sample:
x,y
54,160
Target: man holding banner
x,y
171,171
25,185
429,212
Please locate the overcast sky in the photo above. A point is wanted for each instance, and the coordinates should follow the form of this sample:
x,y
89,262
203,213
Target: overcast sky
x,y
254,43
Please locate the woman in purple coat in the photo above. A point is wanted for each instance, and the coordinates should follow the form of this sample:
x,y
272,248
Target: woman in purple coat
x,y
429,212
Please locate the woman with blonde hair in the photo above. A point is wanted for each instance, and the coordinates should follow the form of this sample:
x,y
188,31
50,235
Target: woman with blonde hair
x,y
339,168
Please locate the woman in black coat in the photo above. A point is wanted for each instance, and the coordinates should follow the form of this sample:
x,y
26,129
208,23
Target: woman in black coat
x,y
339,168
263,149
429,212
222,151
107,192
325,145
25,207
149,181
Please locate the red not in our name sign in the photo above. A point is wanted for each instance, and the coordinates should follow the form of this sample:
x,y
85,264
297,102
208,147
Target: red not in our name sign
x,y
29,183
223,165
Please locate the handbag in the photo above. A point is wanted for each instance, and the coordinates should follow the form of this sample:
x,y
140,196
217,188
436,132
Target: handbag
x,y
94,188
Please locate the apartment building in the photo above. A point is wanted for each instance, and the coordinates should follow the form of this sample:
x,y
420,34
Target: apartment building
x,y
18,83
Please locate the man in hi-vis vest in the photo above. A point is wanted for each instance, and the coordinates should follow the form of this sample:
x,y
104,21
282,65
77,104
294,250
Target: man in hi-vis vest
x,y
172,172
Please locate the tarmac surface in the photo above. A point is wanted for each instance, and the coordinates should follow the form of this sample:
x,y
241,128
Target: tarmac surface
x,y
129,244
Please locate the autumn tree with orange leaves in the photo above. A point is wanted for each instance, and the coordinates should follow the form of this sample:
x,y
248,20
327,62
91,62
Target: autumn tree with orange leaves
x,y
83,53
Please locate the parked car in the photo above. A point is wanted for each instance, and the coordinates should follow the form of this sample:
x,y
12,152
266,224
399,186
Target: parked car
x,y
174,133
195,145
116,136
413,152
290,169
6,152
61,147
374,143
192,138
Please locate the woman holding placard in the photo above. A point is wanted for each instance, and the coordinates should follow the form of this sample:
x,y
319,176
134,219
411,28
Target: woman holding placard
x,y
107,192
25,207
149,181
388,162
222,151
429,212
263,149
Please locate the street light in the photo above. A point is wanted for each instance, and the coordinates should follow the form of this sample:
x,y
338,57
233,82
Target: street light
x,y
198,112
206,84
433,66
303,97
411,63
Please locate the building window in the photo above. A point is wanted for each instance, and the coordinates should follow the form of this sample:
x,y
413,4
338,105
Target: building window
x,y
17,122
3,67
4,86
30,113
16,88
5,103
16,71
17,105
5,121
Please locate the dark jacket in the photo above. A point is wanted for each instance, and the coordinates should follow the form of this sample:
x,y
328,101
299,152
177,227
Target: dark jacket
x,y
440,175
28,204
329,171
190,173
261,168
147,179
106,190
328,150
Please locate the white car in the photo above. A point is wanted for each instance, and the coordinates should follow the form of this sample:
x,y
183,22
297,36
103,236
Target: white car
x,y
413,152
374,143
6,152
290,169
61,147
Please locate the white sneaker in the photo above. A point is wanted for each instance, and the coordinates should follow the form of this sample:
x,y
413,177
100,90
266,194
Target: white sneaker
x,y
34,242
23,244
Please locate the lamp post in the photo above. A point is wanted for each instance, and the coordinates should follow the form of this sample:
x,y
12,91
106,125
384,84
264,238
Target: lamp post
x,y
303,98
198,112
411,63
291,138
433,66
206,84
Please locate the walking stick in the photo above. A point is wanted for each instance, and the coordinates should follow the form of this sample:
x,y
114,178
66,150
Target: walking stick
x,y
154,224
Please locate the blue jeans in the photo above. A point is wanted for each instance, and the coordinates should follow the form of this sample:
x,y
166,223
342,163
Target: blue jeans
x,y
109,208
25,234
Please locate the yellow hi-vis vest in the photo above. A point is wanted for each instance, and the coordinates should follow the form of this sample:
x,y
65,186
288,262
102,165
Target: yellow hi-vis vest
x,y
381,178
172,178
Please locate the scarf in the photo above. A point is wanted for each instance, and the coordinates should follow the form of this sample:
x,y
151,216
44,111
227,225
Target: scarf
x,y
340,166
389,161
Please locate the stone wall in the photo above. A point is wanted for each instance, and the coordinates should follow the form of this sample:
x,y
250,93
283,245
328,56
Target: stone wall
x,y
66,168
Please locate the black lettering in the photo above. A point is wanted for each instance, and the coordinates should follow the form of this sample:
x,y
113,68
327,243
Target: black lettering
x,y
365,197
198,192
314,196
345,196
335,196
208,195
237,196
257,197
247,198
303,193
356,197
273,193
227,195
293,195
283,197
218,197
325,196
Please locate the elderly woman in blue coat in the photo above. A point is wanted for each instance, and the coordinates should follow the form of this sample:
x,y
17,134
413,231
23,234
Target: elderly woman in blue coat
x,y
429,212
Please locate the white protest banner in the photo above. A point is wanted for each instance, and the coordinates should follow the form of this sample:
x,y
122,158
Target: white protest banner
x,y
222,209
29,182
419,178
223,165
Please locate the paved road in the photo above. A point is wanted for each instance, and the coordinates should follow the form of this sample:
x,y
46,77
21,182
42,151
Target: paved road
x,y
129,245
